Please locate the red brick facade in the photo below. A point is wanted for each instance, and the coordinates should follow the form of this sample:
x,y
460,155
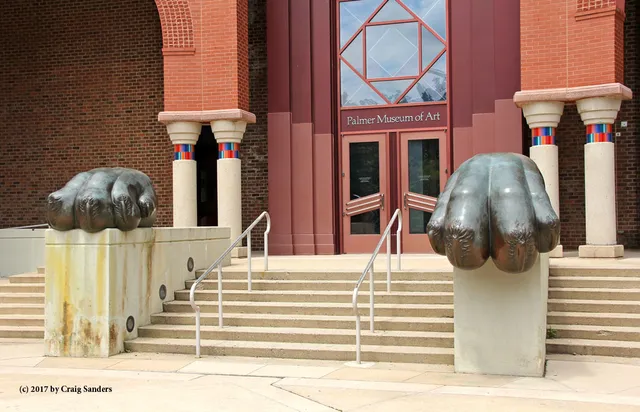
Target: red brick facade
x,y
82,85
571,139
571,43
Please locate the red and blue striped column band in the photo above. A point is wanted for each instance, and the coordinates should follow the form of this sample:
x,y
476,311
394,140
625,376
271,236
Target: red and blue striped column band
x,y
184,152
599,133
543,136
229,151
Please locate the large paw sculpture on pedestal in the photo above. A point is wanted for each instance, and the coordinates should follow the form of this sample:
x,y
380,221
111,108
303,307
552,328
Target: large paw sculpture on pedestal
x,y
495,205
103,198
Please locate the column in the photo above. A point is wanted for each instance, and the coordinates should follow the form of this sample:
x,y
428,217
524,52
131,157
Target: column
x,y
598,115
184,136
543,119
228,134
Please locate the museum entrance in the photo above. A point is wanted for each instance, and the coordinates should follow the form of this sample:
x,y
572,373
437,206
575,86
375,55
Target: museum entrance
x,y
382,172
393,118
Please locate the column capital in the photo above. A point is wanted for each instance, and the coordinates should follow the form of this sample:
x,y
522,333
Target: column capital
x,y
599,110
543,113
228,131
184,132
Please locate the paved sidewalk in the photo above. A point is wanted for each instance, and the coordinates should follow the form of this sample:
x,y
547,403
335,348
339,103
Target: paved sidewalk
x,y
161,382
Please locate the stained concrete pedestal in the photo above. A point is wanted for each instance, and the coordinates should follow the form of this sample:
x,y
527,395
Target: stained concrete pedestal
x,y
96,282
500,320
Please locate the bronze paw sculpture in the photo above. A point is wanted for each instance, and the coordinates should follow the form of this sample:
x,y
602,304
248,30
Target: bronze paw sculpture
x,y
103,198
494,205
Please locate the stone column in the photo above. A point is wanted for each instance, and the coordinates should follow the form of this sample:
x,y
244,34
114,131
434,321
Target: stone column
x,y
184,136
598,115
228,134
543,118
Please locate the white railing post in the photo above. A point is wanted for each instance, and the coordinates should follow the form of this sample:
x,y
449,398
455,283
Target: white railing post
x,y
198,332
358,338
371,298
219,297
249,261
398,233
266,251
389,263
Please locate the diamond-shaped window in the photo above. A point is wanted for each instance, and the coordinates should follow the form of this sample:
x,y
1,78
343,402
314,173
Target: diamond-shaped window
x,y
392,50
431,12
431,47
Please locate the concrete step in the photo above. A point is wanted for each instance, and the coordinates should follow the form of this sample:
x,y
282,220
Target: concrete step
x,y
403,354
589,347
618,333
593,306
595,319
41,270
22,309
305,308
27,278
328,275
300,335
324,285
21,320
22,288
594,271
21,332
22,298
621,282
318,296
416,324
595,294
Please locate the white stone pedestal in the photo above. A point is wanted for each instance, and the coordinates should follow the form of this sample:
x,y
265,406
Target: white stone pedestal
x,y
95,282
500,320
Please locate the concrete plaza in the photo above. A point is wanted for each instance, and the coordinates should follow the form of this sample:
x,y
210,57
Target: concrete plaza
x,y
162,382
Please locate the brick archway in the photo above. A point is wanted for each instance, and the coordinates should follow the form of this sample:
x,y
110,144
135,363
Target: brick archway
x,y
177,24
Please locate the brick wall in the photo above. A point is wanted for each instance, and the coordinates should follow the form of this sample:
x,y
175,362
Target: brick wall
x,y
571,137
570,43
254,145
82,84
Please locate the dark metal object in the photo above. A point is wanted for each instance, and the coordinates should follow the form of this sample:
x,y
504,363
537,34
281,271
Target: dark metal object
x,y
103,198
190,264
494,205
131,323
163,292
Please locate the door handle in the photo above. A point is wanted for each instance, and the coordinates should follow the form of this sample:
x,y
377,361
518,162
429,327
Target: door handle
x,y
382,202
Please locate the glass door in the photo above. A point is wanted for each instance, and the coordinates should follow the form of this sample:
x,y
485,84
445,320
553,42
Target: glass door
x,y
423,176
364,191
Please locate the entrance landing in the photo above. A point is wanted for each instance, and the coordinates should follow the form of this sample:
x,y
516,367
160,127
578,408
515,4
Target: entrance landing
x,y
412,262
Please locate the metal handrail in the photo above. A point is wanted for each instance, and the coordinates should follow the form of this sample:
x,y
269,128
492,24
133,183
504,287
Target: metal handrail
x,y
369,268
218,264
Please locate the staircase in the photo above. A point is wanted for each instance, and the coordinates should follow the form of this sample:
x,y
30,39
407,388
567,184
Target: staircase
x,y
22,306
594,312
308,315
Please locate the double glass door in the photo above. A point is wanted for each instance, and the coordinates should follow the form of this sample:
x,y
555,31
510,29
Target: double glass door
x,y
384,172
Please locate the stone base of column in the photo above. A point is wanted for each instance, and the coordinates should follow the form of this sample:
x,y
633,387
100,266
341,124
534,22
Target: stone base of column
x,y
239,252
558,252
601,251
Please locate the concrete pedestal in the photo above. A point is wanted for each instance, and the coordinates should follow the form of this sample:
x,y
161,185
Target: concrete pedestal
x,y
98,284
500,320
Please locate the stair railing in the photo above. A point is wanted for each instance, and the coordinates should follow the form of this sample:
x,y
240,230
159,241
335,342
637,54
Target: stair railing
x,y
218,264
369,268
